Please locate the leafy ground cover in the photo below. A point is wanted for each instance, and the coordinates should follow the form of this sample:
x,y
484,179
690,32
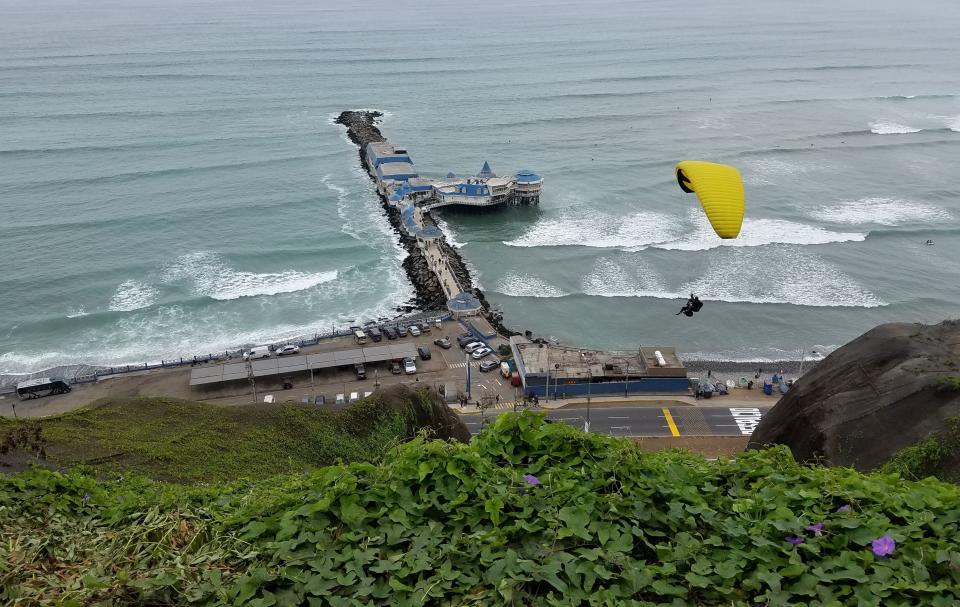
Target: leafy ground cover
x,y
184,441
938,455
528,513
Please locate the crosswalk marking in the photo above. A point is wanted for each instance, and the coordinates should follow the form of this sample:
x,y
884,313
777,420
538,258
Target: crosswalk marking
x,y
462,365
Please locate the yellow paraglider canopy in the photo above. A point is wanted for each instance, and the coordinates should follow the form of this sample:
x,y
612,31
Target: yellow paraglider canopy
x,y
720,190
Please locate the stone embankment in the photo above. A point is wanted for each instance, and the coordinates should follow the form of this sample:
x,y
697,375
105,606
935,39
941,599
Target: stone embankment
x,y
361,130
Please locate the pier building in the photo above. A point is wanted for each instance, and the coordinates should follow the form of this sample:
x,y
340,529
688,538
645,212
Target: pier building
x,y
561,371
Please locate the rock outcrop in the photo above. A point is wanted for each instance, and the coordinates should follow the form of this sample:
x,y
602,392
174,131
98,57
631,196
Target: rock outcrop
x,y
878,394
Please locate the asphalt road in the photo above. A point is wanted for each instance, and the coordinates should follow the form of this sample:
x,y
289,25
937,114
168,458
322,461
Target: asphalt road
x,y
651,421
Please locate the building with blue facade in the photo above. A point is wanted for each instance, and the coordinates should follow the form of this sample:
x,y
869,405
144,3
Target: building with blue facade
x,y
562,372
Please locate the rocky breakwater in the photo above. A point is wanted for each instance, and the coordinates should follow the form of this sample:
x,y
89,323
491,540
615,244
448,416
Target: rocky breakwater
x,y
891,388
361,130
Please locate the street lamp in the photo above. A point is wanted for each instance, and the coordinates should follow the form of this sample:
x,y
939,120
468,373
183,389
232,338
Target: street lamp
x,y
586,426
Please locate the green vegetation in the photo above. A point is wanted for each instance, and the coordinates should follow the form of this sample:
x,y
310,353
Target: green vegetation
x,y
183,441
938,456
529,513
949,384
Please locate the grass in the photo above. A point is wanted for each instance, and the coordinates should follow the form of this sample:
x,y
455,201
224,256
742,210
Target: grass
x,y
188,442
937,456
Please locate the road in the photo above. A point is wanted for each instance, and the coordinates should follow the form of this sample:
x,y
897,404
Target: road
x,y
651,421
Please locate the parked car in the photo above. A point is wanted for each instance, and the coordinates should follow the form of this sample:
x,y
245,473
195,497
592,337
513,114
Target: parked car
x,y
354,397
390,332
443,342
374,334
414,330
424,352
409,366
395,368
306,400
257,352
472,346
465,338
424,327
481,352
360,370
288,349
401,331
319,400
489,365
340,399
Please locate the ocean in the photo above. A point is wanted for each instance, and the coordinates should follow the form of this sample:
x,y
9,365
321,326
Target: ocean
x,y
172,183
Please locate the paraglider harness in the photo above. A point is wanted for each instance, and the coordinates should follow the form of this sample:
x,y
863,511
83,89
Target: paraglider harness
x,y
693,305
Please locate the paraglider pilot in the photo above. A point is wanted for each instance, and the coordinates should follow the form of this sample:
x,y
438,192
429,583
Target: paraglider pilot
x,y
693,305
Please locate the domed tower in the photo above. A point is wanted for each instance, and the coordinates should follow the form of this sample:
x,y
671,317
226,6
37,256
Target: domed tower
x,y
529,186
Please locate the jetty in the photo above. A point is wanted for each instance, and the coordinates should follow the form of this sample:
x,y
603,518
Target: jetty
x,y
438,273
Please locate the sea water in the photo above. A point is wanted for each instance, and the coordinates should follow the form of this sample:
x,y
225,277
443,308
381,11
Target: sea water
x,y
172,183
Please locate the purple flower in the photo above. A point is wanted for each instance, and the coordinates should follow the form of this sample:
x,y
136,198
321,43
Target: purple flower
x,y
816,529
843,508
884,546
531,479
796,540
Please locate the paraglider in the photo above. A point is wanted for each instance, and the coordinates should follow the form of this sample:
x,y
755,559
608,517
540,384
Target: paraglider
x,y
720,190
693,305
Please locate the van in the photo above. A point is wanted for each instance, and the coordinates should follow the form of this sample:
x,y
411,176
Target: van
x,y
257,352
360,370
360,336
375,334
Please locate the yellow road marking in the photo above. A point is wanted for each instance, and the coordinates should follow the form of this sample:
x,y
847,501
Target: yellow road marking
x,y
673,426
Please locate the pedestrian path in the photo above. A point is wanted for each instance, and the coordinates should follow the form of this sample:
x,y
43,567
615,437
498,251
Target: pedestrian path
x,y
463,365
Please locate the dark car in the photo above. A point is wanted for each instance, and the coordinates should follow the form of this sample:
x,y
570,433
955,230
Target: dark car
x,y
395,368
319,400
424,327
390,332
489,365
443,342
374,333
424,352
465,338
402,330
360,370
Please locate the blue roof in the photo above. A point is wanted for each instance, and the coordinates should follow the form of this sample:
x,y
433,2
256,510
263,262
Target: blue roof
x,y
427,232
486,171
450,175
463,302
527,176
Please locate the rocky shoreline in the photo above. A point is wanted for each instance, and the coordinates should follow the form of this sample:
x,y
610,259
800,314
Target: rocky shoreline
x,y
362,129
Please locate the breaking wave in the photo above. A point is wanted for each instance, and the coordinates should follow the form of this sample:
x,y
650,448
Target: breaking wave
x,y
211,277
891,128
881,211
132,295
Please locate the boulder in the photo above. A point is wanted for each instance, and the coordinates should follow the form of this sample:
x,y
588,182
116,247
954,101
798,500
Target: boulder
x,y
866,401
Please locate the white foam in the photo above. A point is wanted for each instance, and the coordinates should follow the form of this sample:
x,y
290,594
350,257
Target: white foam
x,y
601,231
781,275
891,128
133,295
449,233
755,233
881,211
76,312
516,284
953,123
211,277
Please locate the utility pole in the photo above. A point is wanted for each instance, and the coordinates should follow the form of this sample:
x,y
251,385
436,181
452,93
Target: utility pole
x,y
586,426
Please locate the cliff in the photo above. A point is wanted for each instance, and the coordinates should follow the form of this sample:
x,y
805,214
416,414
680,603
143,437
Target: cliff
x,y
880,393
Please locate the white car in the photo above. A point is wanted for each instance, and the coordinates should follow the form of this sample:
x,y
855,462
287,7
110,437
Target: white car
x,y
288,349
409,367
474,345
414,330
481,352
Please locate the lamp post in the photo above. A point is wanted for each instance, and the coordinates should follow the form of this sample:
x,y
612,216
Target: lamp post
x,y
586,426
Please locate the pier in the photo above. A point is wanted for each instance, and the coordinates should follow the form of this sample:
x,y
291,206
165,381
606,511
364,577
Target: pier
x,y
434,267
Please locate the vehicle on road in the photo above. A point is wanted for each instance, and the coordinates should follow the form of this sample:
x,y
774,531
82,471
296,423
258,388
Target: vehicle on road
x,y
340,399
424,352
288,349
465,338
354,397
409,366
395,368
40,387
306,400
489,365
257,352
443,342
360,370
320,400
481,352
414,330
473,346
401,331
